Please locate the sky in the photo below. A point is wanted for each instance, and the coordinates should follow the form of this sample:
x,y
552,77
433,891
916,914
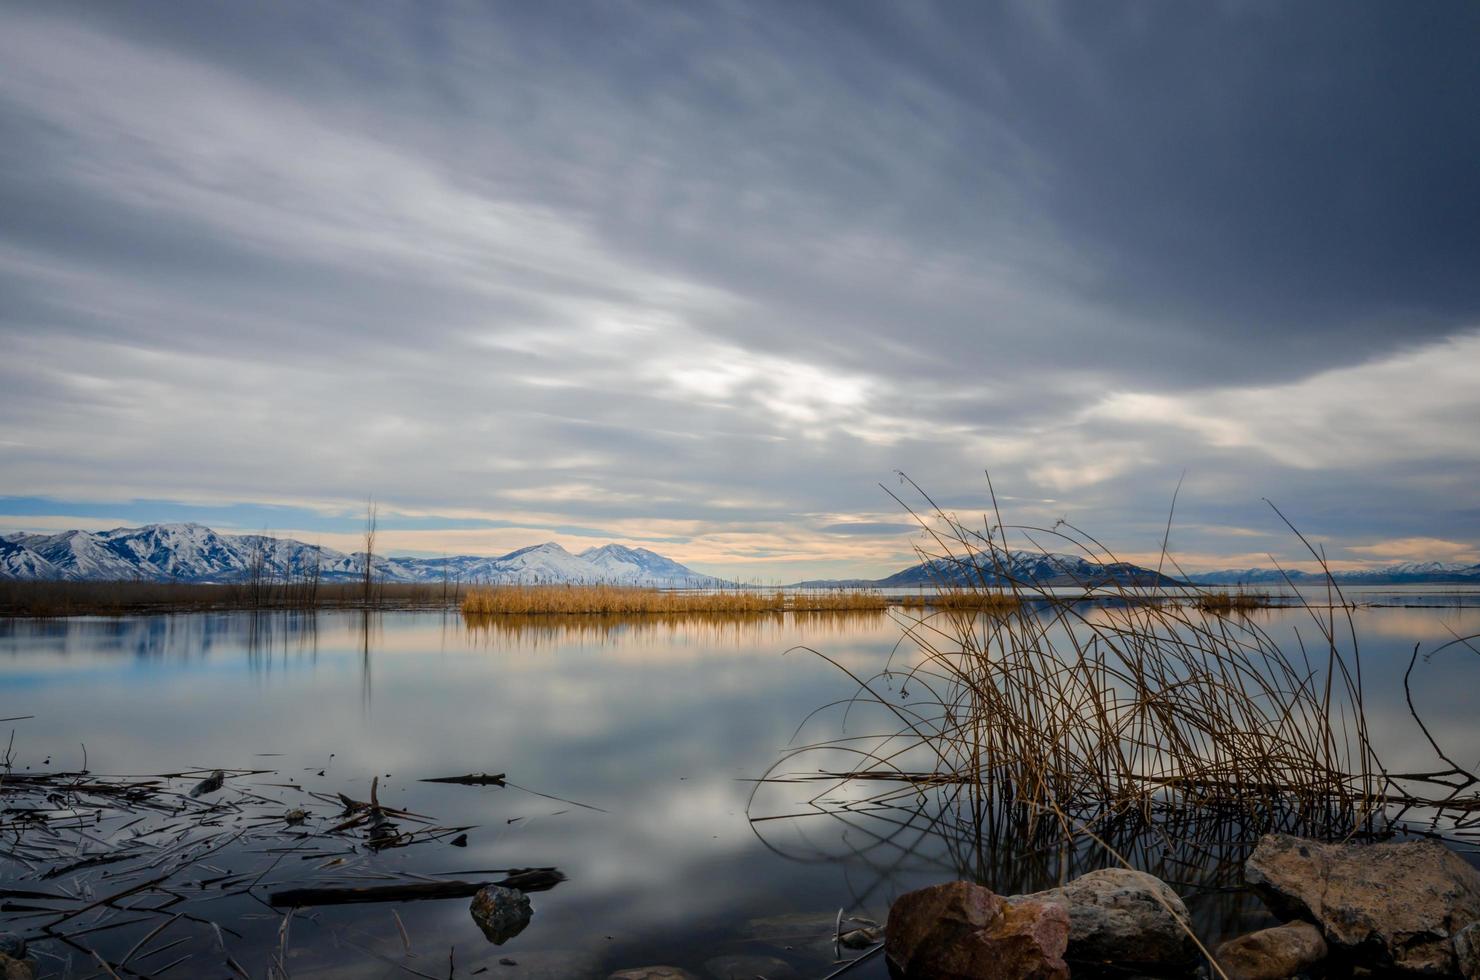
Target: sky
x,y
701,277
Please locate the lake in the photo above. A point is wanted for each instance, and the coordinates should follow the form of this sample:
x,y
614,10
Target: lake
x,y
630,748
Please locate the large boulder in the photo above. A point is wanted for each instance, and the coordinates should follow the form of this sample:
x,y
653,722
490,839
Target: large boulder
x,y
1392,905
962,931
1273,954
1467,951
12,968
1122,920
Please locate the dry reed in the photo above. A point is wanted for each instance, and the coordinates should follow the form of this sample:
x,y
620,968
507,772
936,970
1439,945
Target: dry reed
x,y
614,600
44,599
1056,713
1225,603
985,600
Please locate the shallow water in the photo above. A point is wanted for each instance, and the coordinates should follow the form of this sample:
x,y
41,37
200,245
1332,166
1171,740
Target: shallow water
x,y
643,738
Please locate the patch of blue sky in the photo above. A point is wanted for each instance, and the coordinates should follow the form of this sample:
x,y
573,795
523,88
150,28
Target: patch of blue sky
x,y
248,517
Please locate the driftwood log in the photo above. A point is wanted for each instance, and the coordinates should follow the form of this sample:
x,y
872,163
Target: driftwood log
x,y
524,879
471,779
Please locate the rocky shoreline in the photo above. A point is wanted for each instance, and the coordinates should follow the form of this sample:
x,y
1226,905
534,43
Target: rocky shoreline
x,y
1409,909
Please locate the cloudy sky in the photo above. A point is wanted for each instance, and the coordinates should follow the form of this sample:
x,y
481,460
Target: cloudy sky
x,y
700,276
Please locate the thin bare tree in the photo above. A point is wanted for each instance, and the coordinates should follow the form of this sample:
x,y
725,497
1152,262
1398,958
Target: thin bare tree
x,y
371,519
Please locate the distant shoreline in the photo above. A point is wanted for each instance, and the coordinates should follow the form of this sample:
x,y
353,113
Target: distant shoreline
x,y
31,599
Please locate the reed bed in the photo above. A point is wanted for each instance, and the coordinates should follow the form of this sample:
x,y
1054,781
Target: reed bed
x,y
984,600
1056,713
45,599
1225,603
613,600
637,632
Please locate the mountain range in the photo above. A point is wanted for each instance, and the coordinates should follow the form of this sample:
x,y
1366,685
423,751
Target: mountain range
x,y
1020,567
1404,573
194,553
1046,569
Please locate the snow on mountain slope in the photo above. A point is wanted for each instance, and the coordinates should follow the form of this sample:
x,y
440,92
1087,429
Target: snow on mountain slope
x,y
82,554
195,553
546,562
173,551
1071,570
639,566
19,562
1023,567
1414,572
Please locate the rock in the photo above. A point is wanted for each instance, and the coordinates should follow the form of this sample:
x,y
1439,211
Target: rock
x,y
547,964
1128,920
811,932
502,913
12,968
1273,954
962,931
1392,905
653,973
12,945
861,938
210,784
1467,951
748,968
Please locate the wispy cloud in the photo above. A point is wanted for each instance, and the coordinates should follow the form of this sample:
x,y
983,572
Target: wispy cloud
x,y
706,277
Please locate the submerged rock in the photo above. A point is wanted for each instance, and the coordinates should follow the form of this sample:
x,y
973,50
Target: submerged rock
x,y
1126,920
543,964
12,968
653,973
962,931
814,932
210,784
748,968
1273,954
502,913
1467,951
1394,905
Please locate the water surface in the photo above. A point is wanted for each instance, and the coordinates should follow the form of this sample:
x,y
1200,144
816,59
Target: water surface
x,y
633,747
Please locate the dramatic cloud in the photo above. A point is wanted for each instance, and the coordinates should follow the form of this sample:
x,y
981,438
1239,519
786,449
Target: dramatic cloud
x,y
702,276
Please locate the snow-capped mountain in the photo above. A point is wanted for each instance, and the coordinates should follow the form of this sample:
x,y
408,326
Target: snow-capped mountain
x,y
18,561
1024,568
195,553
1037,568
622,562
1416,572
1027,568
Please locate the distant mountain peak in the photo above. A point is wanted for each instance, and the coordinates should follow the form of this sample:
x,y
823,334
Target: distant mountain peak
x,y
548,547
1402,573
191,552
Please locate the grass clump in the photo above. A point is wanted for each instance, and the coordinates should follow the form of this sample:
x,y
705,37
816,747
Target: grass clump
x,y
1051,712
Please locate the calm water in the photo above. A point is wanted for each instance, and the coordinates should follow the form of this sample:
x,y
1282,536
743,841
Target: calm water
x,y
660,726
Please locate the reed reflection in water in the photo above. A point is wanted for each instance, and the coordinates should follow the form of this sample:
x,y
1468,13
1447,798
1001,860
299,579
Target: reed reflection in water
x,y
662,723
